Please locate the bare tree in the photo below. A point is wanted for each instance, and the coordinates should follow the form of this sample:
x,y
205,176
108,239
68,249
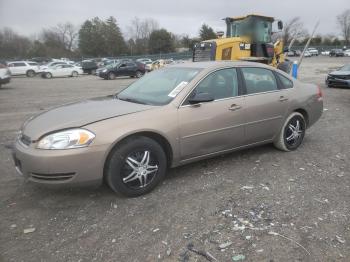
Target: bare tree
x,y
344,22
62,36
294,28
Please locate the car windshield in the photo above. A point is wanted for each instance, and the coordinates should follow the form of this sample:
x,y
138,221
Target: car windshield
x,y
159,87
345,68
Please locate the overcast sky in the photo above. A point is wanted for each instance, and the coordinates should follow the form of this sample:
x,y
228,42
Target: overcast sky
x,y
178,16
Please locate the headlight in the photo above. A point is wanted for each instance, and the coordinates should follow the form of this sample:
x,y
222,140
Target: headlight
x,y
104,70
73,138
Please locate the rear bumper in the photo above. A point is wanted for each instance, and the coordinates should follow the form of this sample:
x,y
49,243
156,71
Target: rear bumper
x,y
74,166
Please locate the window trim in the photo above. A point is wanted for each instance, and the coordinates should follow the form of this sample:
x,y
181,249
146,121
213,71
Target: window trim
x,y
239,82
244,87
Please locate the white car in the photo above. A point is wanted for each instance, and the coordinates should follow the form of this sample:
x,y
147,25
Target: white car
x,y
326,52
27,68
5,74
313,51
62,70
307,54
52,64
347,52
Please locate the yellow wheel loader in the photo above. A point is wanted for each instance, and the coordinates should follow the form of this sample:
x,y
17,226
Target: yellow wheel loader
x,y
248,38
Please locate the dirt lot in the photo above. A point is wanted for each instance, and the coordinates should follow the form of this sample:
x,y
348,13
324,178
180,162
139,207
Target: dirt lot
x,y
257,205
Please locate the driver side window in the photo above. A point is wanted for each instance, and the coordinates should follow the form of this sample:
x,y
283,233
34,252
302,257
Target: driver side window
x,y
220,84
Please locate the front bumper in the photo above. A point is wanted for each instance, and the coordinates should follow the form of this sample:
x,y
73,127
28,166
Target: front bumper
x,y
337,82
5,80
71,166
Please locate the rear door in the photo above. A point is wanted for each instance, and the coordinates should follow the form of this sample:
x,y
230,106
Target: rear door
x,y
266,104
215,126
18,68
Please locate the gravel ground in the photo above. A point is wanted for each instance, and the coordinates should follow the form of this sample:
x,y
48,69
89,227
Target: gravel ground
x,y
254,205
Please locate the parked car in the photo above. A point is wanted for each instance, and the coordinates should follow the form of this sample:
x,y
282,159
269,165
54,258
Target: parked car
x,y
313,51
5,74
347,52
51,64
293,53
169,117
326,52
339,78
27,68
336,52
62,70
144,60
307,54
132,69
89,66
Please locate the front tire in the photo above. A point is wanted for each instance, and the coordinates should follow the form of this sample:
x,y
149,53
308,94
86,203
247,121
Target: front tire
x,y
136,166
292,133
111,76
30,73
75,74
48,75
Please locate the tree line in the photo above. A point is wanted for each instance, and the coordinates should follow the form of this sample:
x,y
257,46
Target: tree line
x,y
103,38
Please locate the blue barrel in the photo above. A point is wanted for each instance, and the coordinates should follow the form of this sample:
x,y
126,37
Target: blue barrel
x,y
295,70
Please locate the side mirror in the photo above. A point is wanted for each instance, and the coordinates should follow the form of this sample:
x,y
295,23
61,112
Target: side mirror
x,y
201,98
280,25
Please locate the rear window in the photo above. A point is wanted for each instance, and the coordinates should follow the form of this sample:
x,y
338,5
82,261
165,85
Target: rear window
x,y
287,83
18,64
259,80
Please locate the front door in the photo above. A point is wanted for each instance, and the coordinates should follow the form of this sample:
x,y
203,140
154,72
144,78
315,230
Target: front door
x,y
215,126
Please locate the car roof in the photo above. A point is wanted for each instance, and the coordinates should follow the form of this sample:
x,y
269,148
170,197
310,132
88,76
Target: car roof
x,y
219,64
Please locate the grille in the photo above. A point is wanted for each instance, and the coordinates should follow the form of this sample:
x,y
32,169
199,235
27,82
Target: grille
x,y
25,140
344,77
52,177
204,52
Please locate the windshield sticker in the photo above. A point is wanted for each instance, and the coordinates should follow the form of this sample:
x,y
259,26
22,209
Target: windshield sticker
x,y
178,89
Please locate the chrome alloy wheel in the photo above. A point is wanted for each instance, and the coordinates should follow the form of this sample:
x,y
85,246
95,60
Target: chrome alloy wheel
x,y
294,132
139,169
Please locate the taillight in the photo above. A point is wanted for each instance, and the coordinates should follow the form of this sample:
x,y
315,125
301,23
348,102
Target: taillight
x,y
319,93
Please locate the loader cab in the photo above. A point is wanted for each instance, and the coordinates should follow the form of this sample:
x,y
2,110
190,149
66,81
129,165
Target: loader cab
x,y
258,29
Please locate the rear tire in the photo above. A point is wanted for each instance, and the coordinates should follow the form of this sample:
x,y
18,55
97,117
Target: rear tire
x,y
30,73
292,133
136,166
48,75
75,74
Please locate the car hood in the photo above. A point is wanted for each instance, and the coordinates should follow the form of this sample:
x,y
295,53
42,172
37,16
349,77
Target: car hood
x,y
340,73
79,114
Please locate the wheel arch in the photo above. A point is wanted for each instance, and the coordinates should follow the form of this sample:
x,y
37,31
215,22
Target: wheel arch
x,y
304,113
160,139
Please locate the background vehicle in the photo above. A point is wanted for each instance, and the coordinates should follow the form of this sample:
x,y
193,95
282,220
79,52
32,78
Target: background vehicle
x,y
89,66
326,52
247,38
144,60
347,52
132,69
51,64
307,54
294,53
5,74
339,78
27,68
313,51
62,70
166,119
336,53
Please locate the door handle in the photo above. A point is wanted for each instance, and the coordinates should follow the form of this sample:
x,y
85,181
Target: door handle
x,y
282,98
234,107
